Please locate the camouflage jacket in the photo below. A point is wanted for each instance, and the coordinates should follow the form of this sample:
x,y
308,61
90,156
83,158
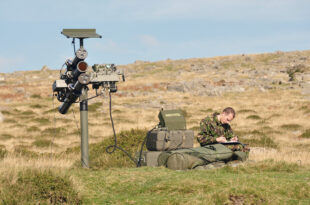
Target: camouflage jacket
x,y
211,128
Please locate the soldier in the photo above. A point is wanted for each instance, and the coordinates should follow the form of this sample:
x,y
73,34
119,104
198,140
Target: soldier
x,y
216,129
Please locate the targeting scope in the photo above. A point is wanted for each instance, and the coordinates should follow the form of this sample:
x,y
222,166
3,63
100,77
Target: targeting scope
x,y
77,75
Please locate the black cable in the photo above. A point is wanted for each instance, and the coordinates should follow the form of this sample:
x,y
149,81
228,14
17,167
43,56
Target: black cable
x,y
141,150
114,146
73,43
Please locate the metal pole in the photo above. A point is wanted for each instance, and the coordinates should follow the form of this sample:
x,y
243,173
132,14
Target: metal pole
x,y
84,128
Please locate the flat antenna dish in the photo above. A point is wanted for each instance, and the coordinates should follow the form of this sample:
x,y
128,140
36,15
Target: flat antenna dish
x,y
80,33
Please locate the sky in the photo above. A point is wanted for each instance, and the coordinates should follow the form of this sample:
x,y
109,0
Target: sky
x,y
30,31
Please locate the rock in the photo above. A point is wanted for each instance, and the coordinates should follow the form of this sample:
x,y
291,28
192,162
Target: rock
x,y
19,90
44,68
179,87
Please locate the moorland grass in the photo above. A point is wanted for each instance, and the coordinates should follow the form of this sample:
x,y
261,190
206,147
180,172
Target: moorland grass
x,y
245,111
94,107
33,129
6,136
42,143
291,126
306,134
253,117
128,140
37,187
267,182
3,152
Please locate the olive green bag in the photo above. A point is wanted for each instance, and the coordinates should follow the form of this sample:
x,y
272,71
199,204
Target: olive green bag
x,y
193,157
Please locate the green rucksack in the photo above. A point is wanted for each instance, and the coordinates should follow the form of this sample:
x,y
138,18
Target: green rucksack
x,y
193,157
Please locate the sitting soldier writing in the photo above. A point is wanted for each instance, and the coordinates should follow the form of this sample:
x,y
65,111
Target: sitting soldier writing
x,y
216,129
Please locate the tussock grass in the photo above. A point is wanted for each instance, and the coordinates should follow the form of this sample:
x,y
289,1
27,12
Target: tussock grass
x,y
22,150
42,143
50,131
267,182
291,126
207,110
6,136
33,129
262,141
99,159
28,112
253,117
3,152
38,106
36,96
53,110
94,107
246,111
9,120
306,134
41,120
37,187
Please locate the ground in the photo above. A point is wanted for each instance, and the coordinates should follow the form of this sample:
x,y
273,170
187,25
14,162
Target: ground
x,y
268,91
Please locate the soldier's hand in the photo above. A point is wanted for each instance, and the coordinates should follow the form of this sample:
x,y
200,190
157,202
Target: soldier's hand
x,y
221,139
234,139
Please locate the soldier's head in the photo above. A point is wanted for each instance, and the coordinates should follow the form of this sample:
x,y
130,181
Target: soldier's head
x,y
227,115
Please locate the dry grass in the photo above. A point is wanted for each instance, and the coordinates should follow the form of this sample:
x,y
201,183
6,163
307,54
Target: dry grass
x,y
281,115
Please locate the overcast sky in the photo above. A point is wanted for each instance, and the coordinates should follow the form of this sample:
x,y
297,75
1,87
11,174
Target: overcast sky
x,y
148,30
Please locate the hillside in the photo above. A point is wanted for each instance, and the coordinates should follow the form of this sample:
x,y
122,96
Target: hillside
x,y
270,92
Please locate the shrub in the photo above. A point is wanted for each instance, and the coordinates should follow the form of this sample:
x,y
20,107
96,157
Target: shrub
x,y
39,187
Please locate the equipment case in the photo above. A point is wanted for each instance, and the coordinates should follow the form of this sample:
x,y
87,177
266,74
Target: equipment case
x,y
162,139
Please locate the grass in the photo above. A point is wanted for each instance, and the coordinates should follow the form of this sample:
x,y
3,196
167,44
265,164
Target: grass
x,y
6,136
33,129
53,131
42,143
38,187
94,107
36,96
306,134
22,150
291,126
253,117
38,106
3,152
246,111
41,120
28,112
128,140
263,183
263,141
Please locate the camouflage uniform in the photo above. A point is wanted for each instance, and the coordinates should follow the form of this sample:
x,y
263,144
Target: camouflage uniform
x,y
211,128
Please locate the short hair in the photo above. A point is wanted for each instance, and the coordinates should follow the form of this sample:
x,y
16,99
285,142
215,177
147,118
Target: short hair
x,y
229,110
